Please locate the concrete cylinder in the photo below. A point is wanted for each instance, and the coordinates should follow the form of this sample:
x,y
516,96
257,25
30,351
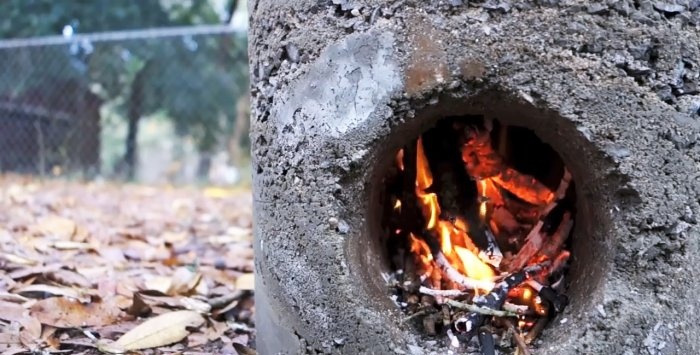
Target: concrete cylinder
x,y
338,86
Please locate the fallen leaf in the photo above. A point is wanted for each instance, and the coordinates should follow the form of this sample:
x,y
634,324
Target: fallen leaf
x,y
246,282
63,312
165,329
30,335
243,350
16,259
138,306
70,245
158,283
184,280
9,339
194,304
31,271
40,289
12,298
48,335
217,192
69,278
59,227
11,312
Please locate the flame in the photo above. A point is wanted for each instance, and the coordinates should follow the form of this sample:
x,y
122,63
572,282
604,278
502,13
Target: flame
x,y
473,266
446,240
420,248
424,178
455,243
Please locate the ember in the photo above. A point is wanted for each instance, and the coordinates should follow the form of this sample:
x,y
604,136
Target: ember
x,y
479,217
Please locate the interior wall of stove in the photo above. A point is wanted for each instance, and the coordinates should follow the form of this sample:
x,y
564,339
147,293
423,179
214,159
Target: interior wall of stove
x,y
590,241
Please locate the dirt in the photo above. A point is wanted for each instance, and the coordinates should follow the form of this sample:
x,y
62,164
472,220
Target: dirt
x,y
613,86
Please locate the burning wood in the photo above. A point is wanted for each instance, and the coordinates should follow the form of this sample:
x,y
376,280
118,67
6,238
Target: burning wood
x,y
476,268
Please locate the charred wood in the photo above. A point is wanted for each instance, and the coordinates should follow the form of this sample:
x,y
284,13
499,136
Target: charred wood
x,y
488,346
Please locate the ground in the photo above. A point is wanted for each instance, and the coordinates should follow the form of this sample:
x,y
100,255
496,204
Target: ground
x,y
83,263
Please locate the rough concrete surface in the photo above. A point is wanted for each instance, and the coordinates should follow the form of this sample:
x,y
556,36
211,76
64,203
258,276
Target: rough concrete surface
x,y
617,84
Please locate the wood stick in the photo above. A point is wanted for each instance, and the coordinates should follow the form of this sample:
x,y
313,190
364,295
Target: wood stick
x,y
536,330
457,277
532,246
555,242
488,346
444,293
414,315
480,310
519,341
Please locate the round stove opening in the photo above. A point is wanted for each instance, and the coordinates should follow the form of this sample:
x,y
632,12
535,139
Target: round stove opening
x,y
476,221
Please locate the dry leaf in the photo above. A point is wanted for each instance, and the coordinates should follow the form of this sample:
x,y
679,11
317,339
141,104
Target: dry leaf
x,y
62,312
11,312
30,334
184,280
70,245
196,305
165,329
37,270
59,227
246,282
9,339
16,259
69,278
138,307
41,289
158,283
243,350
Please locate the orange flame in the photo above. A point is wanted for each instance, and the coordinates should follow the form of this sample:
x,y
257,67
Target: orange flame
x,y
421,249
473,266
455,243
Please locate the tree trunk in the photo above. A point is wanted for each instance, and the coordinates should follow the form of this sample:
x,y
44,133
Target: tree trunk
x,y
134,113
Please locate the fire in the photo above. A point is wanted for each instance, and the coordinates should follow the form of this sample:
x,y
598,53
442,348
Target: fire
x,y
483,162
473,266
455,243
457,247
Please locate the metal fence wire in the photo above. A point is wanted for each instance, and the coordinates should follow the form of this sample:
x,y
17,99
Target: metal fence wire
x,y
159,105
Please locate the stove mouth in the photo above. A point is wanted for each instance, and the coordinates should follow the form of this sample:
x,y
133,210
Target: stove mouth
x,y
547,156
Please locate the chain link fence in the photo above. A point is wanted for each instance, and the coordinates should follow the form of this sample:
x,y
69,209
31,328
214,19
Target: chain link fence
x,y
161,105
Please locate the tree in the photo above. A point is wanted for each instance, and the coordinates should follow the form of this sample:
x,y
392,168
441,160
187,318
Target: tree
x,y
149,75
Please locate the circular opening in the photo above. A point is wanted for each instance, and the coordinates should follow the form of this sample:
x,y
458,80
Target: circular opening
x,y
539,143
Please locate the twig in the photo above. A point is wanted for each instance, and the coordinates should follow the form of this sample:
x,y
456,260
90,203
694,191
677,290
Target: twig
x,y
457,276
533,243
415,315
536,330
516,308
519,341
556,241
444,293
480,310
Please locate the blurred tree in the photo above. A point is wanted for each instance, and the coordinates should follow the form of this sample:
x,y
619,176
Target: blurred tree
x,y
193,79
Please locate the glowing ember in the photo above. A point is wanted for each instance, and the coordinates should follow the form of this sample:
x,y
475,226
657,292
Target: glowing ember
x,y
457,251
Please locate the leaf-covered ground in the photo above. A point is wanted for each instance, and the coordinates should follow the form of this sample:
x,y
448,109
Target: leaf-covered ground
x,y
83,264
